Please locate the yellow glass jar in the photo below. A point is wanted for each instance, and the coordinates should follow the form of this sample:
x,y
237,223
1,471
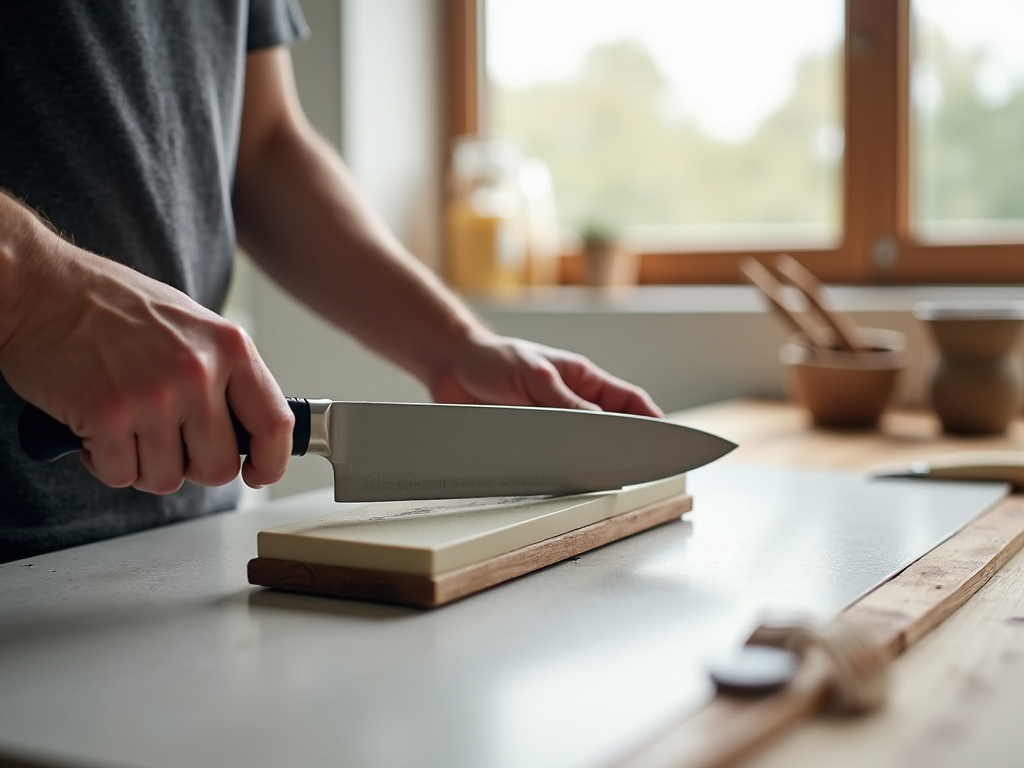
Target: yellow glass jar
x,y
485,224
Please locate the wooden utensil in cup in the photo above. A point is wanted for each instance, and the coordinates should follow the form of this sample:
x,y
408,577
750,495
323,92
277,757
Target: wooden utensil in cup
x,y
846,333
759,276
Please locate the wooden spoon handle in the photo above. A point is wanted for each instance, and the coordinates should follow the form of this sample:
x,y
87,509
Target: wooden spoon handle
x,y
847,334
771,289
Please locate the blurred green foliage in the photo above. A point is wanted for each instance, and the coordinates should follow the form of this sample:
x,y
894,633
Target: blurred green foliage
x,y
597,231
970,146
618,154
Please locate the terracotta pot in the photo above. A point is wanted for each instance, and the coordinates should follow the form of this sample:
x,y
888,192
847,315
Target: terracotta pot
x,y
845,390
609,264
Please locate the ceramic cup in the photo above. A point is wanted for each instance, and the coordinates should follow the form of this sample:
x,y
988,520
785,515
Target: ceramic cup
x,y
845,390
976,384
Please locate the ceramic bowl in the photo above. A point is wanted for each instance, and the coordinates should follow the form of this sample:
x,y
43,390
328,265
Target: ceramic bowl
x,y
845,390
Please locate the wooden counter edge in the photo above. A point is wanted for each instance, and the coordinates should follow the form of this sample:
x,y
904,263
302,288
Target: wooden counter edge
x,y
897,613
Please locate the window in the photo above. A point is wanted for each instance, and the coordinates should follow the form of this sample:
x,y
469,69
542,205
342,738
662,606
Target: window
x,y
875,140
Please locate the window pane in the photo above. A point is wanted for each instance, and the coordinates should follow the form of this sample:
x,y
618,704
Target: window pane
x,y
691,123
968,119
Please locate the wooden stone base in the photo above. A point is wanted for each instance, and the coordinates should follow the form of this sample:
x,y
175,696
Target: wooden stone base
x,y
432,590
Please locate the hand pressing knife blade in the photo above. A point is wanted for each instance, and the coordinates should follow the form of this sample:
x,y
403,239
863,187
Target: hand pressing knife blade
x,y
394,451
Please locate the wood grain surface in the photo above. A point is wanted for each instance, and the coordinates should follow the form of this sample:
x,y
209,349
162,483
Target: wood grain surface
x,y
429,591
899,613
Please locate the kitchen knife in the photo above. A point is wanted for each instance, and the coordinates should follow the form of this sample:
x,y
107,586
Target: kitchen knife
x,y
994,466
393,451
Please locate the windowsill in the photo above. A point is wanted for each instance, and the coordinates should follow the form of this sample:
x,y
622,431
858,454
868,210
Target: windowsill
x,y
720,299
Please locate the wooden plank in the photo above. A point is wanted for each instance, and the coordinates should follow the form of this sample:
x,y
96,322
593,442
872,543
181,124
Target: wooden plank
x,y
429,591
898,614
954,698
902,611
727,730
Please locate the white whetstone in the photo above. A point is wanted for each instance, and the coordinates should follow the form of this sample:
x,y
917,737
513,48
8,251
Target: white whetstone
x,y
432,537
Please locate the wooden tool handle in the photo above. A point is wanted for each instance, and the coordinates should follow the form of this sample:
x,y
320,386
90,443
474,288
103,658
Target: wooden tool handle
x,y
847,334
771,289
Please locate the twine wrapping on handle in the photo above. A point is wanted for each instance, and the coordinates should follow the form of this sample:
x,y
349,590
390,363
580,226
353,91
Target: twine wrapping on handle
x,y
857,667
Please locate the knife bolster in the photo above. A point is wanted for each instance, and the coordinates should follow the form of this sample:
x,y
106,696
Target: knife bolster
x,y
318,429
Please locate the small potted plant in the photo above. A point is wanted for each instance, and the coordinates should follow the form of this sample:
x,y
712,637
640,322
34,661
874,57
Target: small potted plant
x,y
606,262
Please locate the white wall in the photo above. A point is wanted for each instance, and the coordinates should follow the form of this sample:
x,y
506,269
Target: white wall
x,y
369,80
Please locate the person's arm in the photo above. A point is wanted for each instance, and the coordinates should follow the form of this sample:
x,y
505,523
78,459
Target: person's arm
x,y
13,234
302,220
143,374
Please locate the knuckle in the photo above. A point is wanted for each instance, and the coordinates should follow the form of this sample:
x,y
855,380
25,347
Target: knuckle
x,y
196,370
266,475
160,486
118,478
225,474
547,374
158,397
112,462
234,342
280,424
133,401
112,414
216,472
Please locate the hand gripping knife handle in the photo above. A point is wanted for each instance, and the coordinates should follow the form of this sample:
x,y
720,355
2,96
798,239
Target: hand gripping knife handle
x,y
43,438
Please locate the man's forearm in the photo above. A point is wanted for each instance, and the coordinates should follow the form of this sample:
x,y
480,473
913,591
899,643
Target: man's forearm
x,y
301,218
306,225
18,229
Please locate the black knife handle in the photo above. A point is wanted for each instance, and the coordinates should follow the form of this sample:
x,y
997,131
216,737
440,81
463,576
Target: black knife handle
x,y
43,438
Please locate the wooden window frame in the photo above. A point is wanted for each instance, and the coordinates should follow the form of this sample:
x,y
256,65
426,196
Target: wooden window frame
x,y
877,245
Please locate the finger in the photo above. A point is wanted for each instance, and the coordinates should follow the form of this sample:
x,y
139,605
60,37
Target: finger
x,y
614,394
609,392
161,454
545,387
453,392
260,406
622,397
211,450
112,459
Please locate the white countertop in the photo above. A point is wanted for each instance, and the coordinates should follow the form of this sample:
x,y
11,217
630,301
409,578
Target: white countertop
x,y
153,650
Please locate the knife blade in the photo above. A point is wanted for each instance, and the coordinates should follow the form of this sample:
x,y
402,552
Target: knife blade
x,y
396,451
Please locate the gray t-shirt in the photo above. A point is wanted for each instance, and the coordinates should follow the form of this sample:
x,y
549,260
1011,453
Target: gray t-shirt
x,y
119,123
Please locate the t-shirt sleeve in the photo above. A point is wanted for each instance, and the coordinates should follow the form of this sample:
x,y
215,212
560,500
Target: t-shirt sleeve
x,y
275,22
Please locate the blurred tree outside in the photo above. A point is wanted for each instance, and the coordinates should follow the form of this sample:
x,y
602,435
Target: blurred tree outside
x,y
969,136
619,154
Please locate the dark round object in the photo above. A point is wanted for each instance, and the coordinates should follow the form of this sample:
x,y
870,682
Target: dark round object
x,y
754,670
